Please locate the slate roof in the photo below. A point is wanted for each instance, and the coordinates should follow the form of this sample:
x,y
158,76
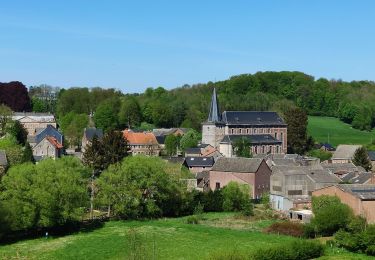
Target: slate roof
x,y
361,191
38,117
174,159
341,167
345,151
3,158
160,139
322,176
199,161
362,178
371,155
243,165
316,175
168,131
91,131
254,139
328,146
285,162
193,150
49,131
214,113
252,118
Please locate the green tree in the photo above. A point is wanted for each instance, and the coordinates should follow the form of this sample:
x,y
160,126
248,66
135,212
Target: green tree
x,y
298,142
31,202
28,154
19,132
190,139
115,147
12,149
361,158
72,125
139,187
242,147
130,114
171,144
106,114
236,197
5,118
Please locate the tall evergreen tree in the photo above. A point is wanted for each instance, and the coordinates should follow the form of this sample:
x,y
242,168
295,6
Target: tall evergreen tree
x,y
19,132
28,154
361,158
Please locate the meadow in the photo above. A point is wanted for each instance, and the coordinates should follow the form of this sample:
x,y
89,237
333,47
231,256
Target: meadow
x,y
159,239
334,131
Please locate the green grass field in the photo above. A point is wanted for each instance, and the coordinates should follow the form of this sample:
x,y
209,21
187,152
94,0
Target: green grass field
x,y
162,239
334,131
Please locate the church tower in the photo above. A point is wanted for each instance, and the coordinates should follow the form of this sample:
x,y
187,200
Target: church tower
x,y
212,129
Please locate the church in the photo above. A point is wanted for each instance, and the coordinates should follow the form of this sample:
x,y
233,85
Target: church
x,y
266,131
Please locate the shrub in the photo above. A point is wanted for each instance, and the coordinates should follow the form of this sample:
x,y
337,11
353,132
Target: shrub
x,y
286,228
192,219
235,196
371,250
248,209
227,255
296,250
349,241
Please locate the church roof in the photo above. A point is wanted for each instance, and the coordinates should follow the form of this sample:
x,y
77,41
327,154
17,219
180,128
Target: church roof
x,y
214,114
252,118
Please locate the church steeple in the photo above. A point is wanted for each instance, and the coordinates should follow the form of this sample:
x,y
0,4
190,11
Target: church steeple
x,y
214,115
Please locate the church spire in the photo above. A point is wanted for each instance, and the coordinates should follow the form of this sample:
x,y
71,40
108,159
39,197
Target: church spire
x,y
214,115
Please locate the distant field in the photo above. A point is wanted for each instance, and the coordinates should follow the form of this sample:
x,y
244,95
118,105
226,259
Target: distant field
x,y
161,239
334,131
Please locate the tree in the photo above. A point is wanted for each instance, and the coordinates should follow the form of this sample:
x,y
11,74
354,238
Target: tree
x,y
297,120
361,158
171,144
73,125
115,147
93,157
236,197
19,132
139,187
242,147
28,154
5,118
12,149
30,200
130,113
14,95
105,116
190,139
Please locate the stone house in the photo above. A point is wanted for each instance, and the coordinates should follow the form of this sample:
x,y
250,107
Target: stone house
x,y
41,133
371,156
142,143
198,164
292,186
344,153
88,135
33,121
203,150
48,147
360,198
254,172
3,162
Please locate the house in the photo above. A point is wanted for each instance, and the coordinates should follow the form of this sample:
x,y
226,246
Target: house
x,y
41,133
48,147
203,150
254,172
371,156
327,147
265,131
142,143
203,181
170,131
343,170
199,164
360,198
88,135
3,162
33,121
292,186
344,153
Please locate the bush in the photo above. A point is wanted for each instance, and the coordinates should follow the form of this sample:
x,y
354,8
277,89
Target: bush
x,y
371,250
286,228
227,255
349,241
235,196
296,250
192,219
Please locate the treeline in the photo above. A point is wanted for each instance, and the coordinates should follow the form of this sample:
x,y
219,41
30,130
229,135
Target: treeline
x,y
187,106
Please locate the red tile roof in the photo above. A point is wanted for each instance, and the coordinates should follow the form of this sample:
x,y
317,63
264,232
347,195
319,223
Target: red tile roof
x,y
54,142
139,137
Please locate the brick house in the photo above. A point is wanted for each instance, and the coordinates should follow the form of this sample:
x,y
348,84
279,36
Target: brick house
x,y
360,198
254,172
292,186
33,121
142,143
198,164
266,131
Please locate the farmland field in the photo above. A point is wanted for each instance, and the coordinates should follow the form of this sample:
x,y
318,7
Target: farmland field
x,y
160,239
334,131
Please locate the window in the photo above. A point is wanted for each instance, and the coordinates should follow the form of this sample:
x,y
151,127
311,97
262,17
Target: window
x,y
232,130
276,136
294,192
247,130
277,149
263,149
255,130
281,137
217,186
270,149
240,130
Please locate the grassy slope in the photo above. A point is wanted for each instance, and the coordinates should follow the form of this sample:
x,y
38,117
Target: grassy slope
x,y
339,132
172,238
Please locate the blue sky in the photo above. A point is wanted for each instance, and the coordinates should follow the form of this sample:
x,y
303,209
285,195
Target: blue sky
x,y
132,45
